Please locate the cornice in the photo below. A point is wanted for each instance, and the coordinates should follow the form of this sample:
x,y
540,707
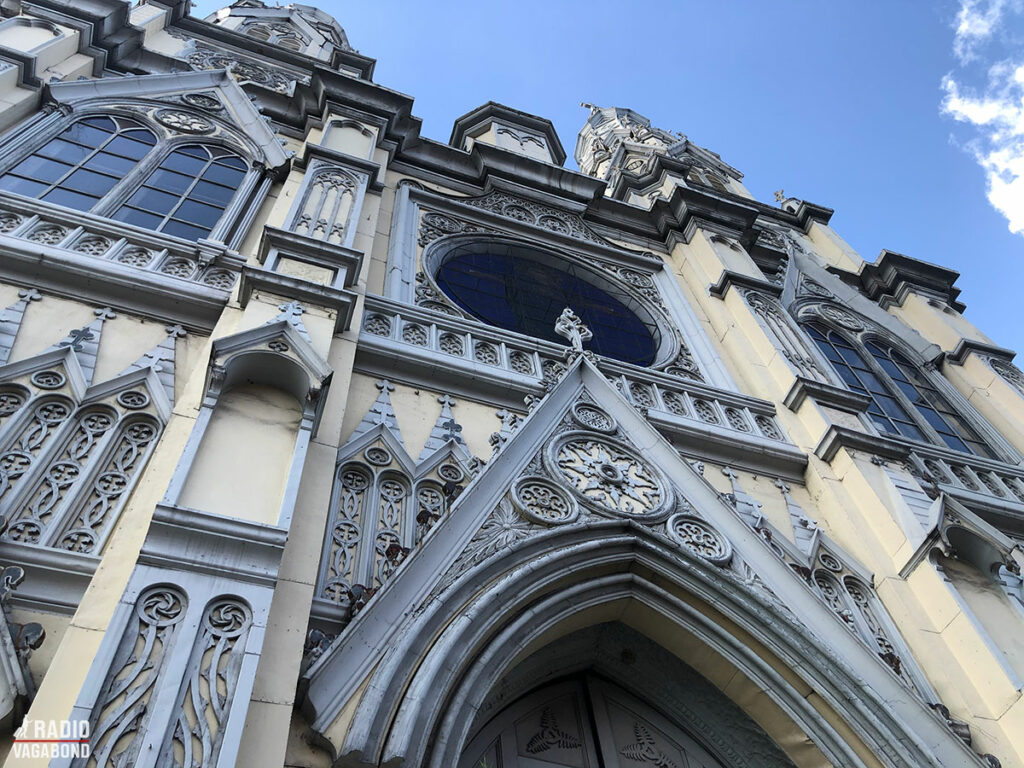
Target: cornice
x,y
965,347
893,274
181,538
824,394
342,301
837,437
729,278
494,111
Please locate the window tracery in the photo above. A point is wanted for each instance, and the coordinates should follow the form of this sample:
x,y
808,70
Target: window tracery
x,y
81,165
903,400
140,170
855,603
187,193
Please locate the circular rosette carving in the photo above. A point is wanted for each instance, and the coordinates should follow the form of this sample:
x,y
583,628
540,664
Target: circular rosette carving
x,y
185,122
701,539
161,606
609,476
541,501
227,617
590,416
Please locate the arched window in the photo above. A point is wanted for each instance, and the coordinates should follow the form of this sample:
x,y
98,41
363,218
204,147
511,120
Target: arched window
x,y
187,194
80,166
525,290
903,401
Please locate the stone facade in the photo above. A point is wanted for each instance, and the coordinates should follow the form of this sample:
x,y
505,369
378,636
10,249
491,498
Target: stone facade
x,y
326,444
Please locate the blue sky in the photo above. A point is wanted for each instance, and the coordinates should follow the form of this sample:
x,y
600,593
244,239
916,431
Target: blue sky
x,y
838,103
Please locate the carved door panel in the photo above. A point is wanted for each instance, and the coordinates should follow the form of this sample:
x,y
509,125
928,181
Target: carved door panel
x,y
632,735
583,724
547,729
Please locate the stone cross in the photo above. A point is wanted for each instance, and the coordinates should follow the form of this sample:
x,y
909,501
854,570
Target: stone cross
x,y
780,196
77,338
451,430
570,327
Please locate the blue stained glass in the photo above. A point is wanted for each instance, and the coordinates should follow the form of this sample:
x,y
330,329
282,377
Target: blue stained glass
x,y
525,295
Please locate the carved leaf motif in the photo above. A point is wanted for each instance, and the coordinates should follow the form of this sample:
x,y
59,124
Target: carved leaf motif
x,y
645,750
550,735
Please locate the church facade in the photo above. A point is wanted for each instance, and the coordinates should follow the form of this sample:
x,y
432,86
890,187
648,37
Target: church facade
x,y
323,443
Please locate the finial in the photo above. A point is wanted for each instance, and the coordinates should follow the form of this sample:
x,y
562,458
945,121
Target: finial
x,y
780,196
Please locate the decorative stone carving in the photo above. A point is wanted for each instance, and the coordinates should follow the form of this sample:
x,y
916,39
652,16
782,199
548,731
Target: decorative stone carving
x,y
570,327
123,707
48,234
700,538
326,208
203,101
9,221
219,278
183,122
645,749
437,225
206,57
178,267
608,476
135,257
378,325
92,245
428,297
589,416
536,214
1009,372
208,689
842,317
550,735
541,501
785,337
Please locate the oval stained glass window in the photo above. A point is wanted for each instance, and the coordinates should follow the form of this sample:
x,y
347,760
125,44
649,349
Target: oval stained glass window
x,y
519,290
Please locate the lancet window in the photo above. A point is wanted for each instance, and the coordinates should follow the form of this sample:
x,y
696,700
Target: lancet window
x,y
903,399
137,172
187,193
78,168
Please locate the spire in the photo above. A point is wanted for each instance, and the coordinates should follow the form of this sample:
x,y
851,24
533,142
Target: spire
x,y
10,321
445,430
380,413
85,342
161,360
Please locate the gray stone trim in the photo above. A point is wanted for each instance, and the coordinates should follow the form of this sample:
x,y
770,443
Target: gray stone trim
x,y
195,541
56,578
465,125
729,278
837,437
893,275
966,347
343,302
197,592
241,111
347,262
824,394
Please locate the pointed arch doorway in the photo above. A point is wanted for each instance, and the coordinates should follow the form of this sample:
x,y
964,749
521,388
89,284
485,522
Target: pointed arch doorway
x,y
584,722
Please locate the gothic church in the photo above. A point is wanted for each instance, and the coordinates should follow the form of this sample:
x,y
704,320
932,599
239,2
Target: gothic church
x,y
325,444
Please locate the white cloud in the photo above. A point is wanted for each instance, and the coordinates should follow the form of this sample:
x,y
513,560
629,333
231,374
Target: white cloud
x,y
976,21
995,112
